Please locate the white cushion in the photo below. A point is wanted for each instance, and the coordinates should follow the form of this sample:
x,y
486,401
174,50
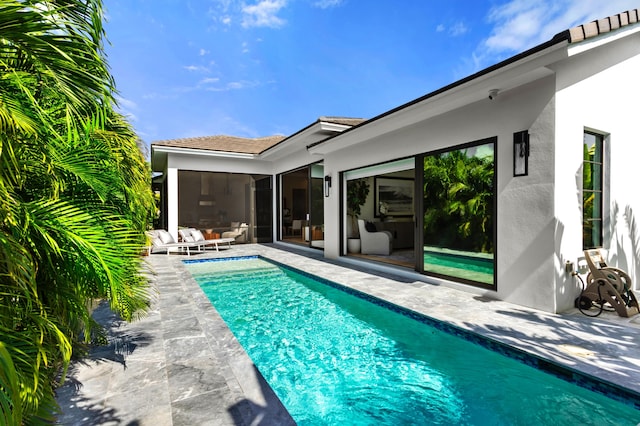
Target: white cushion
x,y
164,236
197,235
185,234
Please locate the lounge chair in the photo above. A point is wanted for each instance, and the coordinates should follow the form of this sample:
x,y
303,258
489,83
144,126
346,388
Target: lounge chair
x,y
378,242
238,232
161,240
606,284
193,235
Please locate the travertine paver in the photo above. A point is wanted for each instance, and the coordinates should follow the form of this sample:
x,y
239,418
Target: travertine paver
x,y
181,365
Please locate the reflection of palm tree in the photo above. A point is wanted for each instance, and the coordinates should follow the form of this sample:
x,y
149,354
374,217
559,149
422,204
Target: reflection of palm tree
x,y
458,199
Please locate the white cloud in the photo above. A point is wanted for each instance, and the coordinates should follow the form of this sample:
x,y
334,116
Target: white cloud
x,y
521,24
455,30
226,20
234,85
263,14
196,68
326,4
126,107
203,52
209,80
126,103
458,29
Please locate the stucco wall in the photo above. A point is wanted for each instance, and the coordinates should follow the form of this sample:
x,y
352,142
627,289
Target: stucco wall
x,y
526,223
598,91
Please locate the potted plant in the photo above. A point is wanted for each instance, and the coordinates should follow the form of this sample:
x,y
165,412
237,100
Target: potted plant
x,y
357,192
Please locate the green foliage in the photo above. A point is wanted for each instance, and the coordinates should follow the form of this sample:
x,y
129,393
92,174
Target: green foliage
x,y
357,192
458,200
74,198
590,186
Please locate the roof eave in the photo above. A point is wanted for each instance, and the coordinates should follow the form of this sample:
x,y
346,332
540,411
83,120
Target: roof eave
x,y
319,127
202,152
600,40
558,43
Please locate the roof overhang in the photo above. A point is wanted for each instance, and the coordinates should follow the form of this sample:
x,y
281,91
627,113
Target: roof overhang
x,y
317,131
159,155
517,71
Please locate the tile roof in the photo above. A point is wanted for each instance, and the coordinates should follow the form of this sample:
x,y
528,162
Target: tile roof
x,y
601,26
224,143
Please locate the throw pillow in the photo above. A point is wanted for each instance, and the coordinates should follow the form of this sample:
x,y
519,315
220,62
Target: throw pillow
x,y
370,227
165,237
196,234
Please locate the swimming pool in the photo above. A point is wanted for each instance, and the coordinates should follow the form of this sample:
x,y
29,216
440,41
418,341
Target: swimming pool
x,y
334,358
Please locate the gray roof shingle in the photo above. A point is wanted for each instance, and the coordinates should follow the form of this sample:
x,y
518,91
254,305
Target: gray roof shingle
x,y
224,143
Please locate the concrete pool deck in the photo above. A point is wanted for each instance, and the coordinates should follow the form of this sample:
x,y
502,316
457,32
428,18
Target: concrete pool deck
x,y
181,365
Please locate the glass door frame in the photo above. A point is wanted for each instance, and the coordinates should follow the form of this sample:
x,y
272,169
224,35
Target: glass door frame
x,y
308,222
419,205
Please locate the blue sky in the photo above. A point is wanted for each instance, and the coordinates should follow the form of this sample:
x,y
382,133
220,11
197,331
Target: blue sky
x,y
253,68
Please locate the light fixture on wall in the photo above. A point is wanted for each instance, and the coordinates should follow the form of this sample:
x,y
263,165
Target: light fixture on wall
x,y
327,185
521,153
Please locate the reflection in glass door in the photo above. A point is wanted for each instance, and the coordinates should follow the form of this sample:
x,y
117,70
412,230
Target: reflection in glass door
x,y
302,206
316,216
459,213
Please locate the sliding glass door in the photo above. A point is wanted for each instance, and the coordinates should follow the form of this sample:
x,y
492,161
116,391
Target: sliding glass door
x,y
302,206
231,204
458,213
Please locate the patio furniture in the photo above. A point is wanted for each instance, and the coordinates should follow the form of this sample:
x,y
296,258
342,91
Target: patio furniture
x,y
378,242
238,232
196,236
161,240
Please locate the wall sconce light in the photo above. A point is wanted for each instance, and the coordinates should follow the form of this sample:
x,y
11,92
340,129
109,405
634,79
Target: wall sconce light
x,y
327,185
521,153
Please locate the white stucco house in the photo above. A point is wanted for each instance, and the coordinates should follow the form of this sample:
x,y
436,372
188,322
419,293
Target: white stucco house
x,y
490,184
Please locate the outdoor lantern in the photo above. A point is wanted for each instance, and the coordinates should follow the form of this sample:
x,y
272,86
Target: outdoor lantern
x,y
521,153
327,185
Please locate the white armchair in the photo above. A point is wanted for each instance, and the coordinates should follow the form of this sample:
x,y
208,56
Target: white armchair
x,y
379,242
238,231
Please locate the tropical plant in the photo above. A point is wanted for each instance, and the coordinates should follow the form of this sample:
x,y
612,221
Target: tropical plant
x,y
74,197
458,195
357,192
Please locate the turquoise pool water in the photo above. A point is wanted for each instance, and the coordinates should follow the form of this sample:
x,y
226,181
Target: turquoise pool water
x,y
336,359
472,268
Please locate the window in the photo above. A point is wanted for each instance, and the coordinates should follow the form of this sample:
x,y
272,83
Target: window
x,y
214,201
592,172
